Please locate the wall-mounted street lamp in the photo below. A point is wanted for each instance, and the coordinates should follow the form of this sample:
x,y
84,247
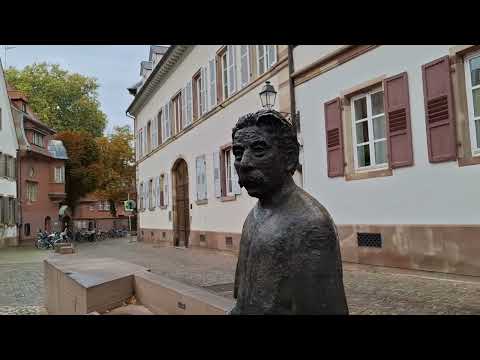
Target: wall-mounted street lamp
x,y
268,96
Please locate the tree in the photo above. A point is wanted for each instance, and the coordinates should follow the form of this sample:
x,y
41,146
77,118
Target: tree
x,y
82,167
64,101
116,175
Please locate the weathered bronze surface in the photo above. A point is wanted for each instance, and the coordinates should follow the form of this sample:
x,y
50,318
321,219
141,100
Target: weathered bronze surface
x,y
289,260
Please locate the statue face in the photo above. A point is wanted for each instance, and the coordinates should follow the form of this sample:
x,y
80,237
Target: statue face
x,y
260,163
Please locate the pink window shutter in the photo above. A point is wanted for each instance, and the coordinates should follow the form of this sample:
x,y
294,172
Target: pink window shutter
x,y
334,138
399,131
439,115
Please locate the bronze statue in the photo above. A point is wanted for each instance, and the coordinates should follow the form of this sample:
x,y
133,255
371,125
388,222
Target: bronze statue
x,y
289,260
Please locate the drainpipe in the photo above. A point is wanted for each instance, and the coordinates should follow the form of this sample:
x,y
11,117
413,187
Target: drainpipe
x,y
19,197
291,69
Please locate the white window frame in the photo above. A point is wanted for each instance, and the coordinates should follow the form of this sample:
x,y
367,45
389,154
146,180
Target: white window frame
x,y
471,116
266,59
150,194
199,90
224,73
371,136
228,165
162,190
247,56
32,191
59,175
38,139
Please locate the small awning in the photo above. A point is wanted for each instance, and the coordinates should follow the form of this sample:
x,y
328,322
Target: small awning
x,y
64,210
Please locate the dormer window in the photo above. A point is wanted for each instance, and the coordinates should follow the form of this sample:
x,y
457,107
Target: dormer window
x,y
38,139
24,107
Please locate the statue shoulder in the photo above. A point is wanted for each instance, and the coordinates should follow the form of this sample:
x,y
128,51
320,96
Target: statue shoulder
x,y
315,222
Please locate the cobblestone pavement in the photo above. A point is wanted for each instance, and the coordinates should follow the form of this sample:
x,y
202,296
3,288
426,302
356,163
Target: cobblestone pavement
x,y
21,281
369,289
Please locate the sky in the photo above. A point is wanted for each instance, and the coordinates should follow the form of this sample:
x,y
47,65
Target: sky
x,y
115,66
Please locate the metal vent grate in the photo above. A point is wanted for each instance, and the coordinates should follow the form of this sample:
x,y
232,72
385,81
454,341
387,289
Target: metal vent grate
x,y
369,240
228,242
163,234
202,238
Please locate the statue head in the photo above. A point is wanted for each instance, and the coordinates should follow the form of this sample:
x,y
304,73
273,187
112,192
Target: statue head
x,y
266,150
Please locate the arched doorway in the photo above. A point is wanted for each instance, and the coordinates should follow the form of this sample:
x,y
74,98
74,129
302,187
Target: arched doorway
x,y
181,211
48,224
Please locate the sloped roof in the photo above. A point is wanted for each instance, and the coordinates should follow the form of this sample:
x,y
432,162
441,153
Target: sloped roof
x,y
57,149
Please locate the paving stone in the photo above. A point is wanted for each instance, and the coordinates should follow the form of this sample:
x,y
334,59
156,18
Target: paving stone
x,y
370,290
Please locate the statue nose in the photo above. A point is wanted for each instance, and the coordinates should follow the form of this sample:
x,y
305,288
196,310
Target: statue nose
x,y
246,162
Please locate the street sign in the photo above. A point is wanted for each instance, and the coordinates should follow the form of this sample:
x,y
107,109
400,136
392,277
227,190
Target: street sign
x,y
129,205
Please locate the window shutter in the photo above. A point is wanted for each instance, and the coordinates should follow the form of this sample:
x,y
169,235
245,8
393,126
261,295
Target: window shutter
x,y
231,70
397,110
244,65
157,181
154,133
184,108
2,164
188,116
159,129
216,174
204,90
170,119
235,186
213,83
198,178
166,195
145,135
204,177
334,138
164,123
440,122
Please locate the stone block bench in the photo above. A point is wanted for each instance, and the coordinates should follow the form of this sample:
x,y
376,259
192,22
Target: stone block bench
x,y
77,286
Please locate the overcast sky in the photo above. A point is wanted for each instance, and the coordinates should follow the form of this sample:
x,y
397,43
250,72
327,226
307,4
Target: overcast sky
x,y
115,66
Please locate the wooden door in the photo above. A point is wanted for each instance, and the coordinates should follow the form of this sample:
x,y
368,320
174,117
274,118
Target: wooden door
x,y
182,213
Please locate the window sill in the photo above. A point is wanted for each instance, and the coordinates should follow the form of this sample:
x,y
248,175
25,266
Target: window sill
x,y
201,202
369,174
228,198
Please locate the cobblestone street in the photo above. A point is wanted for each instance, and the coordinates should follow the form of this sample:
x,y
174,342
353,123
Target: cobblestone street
x,y
370,289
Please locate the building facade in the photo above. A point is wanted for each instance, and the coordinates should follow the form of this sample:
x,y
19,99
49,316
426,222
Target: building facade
x,y
188,193
41,172
392,149
8,170
93,213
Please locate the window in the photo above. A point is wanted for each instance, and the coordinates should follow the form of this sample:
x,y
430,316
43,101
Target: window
x,y
141,196
32,191
140,143
91,207
31,173
224,75
244,65
0,118
149,137
162,190
228,163
150,194
60,175
266,57
24,107
370,143
26,230
38,139
472,78
177,112
103,205
198,94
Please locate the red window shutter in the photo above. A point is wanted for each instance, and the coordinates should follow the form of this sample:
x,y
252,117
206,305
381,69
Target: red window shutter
x,y
333,129
399,131
437,91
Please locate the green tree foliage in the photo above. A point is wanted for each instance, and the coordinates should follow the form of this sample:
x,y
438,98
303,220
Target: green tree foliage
x,y
116,176
82,167
64,101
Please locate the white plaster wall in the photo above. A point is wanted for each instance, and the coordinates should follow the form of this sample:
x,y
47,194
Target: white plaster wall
x,y
423,194
304,55
205,138
8,145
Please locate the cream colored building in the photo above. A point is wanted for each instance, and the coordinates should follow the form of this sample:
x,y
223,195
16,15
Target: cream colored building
x,y
185,106
8,169
392,149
